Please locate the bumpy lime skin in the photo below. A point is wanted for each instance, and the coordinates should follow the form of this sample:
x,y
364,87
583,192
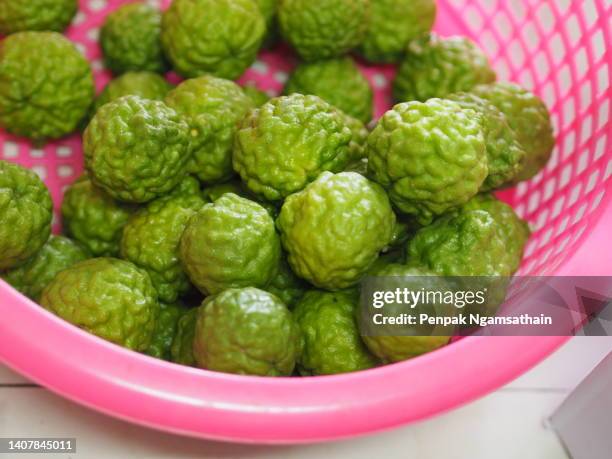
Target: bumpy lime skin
x,y
331,338
230,243
137,149
393,24
430,157
469,243
257,96
320,29
213,106
286,285
21,16
505,154
387,345
436,67
219,37
46,85
285,144
165,330
131,39
56,255
181,351
337,81
246,331
93,218
335,228
152,235
111,298
147,85
515,230
26,210
529,118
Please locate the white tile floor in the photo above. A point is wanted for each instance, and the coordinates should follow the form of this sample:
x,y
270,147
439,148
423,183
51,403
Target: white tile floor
x,y
506,424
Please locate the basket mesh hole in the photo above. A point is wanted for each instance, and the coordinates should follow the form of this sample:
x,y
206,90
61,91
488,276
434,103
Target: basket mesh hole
x,y
586,129
558,206
573,32
590,12
546,17
473,18
592,181
41,171
557,48
566,175
63,151
549,188
575,193
603,80
10,150
603,115
97,5
502,25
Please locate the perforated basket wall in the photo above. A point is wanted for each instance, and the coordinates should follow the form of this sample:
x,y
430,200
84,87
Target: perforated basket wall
x,y
558,48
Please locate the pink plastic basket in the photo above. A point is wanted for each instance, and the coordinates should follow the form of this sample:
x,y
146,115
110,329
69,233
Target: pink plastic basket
x,y
562,50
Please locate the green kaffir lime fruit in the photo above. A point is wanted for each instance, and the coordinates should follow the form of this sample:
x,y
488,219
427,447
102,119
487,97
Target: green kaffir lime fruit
x,y
182,345
152,235
286,285
515,230
214,106
467,243
137,149
147,85
393,24
337,81
331,338
430,156
436,67
165,330
334,229
130,39
246,331
257,96
230,243
393,343
220,37
504,152
56,255
46,85
93,218
23,15
320,29
530,120
110,298
25,214
285,144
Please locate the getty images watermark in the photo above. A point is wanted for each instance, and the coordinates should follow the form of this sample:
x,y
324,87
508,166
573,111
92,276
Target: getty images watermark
x,y
517,306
